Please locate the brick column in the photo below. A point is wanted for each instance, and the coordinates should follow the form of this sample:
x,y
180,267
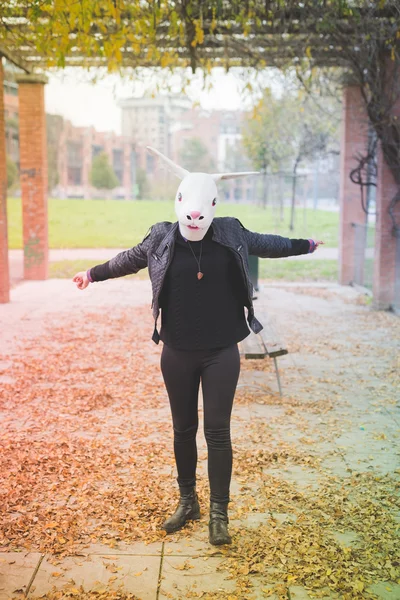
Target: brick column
x,y
354,140
33,167
386,287
4,269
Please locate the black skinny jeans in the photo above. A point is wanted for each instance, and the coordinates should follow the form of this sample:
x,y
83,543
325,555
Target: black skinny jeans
x,y
218,371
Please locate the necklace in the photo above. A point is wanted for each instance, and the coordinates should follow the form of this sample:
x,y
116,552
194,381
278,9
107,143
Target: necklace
x,y
200,275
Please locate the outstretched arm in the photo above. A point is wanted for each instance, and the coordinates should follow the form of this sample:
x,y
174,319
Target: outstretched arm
x,y
266,245
124,263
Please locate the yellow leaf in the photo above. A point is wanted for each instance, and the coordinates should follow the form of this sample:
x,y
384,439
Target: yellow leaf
x,y
359,586
308,52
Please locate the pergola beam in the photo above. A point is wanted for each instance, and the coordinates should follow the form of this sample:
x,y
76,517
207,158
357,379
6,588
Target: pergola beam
x,y
237,51
16,60
273,35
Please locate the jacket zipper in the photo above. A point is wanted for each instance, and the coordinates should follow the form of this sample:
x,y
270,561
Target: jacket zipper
x,y
165,272
243,271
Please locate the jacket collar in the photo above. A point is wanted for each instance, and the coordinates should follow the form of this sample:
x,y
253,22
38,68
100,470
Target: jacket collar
x,y
170,235
218,235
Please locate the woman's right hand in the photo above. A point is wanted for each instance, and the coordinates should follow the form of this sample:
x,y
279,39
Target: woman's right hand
x,y
81,280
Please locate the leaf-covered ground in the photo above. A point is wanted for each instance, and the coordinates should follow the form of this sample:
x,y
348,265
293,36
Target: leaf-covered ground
x,y
86,451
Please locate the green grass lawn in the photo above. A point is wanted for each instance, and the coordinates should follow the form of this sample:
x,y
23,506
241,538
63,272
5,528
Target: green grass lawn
x,y
282,269
119,224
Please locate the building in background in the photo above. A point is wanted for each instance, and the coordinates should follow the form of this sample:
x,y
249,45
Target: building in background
x,y
77,146
169,122
149,121
71,150
166,122
219,132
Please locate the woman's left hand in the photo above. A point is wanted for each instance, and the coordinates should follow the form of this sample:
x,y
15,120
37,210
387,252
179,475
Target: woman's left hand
x,y
317,243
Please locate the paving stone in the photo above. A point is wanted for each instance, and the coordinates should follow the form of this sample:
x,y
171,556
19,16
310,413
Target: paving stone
x,y
335,465
382,463
136,548
346,538
195,545
284,517
137,574
253,520
16,571
301,476
298,592
260,590
385,590
181,575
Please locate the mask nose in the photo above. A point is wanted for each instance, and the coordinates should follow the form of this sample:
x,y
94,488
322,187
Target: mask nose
x,y
195,214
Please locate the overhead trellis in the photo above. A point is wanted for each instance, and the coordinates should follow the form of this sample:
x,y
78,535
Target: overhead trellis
x,y
159,33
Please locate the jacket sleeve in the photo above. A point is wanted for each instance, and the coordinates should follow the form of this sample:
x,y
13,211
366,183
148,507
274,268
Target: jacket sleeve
x,y
266,245
125,263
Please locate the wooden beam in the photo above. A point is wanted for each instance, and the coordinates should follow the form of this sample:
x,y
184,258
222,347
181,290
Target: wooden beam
x,y
15,60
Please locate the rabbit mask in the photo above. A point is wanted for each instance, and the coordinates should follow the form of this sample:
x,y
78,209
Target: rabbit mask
x,y
196,198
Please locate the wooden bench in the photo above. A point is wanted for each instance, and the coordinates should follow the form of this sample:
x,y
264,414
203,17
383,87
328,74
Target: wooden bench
x,y
266,343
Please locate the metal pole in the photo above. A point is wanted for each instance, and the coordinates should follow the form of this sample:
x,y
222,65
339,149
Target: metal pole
x,y
396,302
277,376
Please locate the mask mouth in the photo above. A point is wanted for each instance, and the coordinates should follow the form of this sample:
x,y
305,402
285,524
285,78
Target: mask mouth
x,y
194,227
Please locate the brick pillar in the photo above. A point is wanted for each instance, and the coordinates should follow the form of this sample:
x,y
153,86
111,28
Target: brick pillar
x,y
386,287
33,171
354,140
4,269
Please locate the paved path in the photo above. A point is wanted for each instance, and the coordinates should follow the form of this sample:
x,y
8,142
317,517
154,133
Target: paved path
x,y
316,473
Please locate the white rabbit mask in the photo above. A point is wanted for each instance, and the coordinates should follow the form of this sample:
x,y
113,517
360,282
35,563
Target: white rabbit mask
x,y
196,198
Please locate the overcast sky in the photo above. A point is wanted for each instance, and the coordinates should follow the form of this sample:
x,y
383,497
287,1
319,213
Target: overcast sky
x,y
71,94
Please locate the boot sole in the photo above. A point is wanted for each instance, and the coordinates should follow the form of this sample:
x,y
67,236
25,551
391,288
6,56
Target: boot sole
x,y
195,517
220,543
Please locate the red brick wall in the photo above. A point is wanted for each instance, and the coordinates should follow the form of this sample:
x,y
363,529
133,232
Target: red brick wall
x,y
33,164
354,140
4,270
386,295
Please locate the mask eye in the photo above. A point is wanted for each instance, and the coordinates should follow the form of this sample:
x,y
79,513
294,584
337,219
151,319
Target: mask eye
x,y
179,197
214,202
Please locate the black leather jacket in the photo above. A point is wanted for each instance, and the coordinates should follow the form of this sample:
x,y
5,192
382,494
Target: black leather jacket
x,y
156,251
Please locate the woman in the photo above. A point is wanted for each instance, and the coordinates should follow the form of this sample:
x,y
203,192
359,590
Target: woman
x,y
198,268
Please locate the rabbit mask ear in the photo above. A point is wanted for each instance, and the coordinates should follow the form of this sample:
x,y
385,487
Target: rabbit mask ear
x,y
223,176
174,168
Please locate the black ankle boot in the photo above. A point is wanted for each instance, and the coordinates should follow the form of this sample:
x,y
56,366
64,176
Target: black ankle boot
x,y
188,509
218,525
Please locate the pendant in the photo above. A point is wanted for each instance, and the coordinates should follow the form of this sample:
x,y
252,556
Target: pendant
x,y
200,275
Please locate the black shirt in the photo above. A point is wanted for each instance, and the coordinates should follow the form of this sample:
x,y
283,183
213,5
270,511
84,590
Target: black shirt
x,y
207,313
